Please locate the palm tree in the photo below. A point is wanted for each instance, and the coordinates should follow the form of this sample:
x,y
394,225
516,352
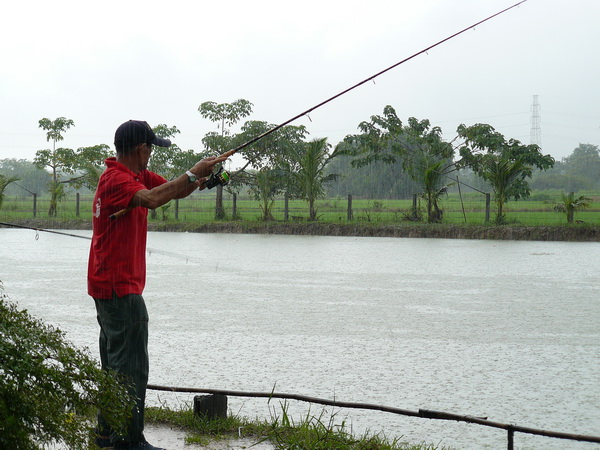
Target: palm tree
x,y
503,175
310,177
569,204
4,182
430,170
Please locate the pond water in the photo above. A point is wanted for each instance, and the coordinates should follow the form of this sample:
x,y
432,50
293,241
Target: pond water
x,y
508,330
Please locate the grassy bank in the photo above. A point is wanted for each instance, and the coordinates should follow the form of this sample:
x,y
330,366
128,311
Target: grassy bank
x,y
282,431
464,218
570,233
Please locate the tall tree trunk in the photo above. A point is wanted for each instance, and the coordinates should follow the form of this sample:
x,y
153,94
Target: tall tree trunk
x,y
219,210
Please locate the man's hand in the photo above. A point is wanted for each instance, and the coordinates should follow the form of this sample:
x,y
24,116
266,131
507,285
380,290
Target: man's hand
x,y
205,167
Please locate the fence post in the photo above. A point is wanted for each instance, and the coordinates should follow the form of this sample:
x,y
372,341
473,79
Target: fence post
x,y
414,208
77,204
234,212
176,209
487,207
286,207
350,207
210,406
34,205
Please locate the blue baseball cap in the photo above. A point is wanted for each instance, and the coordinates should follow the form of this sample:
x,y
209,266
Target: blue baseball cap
x,y
134,132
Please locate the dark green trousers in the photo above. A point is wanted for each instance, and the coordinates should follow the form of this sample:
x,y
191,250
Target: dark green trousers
x,y
124,348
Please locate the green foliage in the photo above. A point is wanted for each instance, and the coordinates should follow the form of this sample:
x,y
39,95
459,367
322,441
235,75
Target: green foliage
x,y
55,128
310,176
89,163
50,391
504,164
57,194
275,149
57,159
170,162
425,157
375,180
265,185
31,178
569,204
225,115
4,182
584,163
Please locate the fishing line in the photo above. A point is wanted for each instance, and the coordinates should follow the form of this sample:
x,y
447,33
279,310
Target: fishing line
x,y
149,250
13,225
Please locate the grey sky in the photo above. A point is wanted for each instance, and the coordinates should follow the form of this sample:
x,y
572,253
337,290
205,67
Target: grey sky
x,y
101,63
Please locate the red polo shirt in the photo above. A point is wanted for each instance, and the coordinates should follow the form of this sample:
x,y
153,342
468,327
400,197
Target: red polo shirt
x,y
117,261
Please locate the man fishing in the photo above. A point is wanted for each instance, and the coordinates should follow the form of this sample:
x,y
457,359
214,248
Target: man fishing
x,y
117,262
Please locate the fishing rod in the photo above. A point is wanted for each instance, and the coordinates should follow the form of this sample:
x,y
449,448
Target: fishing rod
x,y
371,78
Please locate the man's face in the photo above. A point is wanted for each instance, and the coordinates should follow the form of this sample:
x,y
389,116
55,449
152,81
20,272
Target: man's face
x,y
145,153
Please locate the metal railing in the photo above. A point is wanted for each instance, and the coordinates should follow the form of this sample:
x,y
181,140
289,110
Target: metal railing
x,y
423,413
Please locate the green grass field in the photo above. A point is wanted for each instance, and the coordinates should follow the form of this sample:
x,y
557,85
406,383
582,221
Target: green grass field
x,y
199,208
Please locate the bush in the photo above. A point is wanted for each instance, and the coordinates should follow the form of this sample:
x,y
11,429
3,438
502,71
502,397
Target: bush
x,y
50,391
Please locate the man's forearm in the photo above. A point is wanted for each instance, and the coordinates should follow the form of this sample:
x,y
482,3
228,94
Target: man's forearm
x,y
180,187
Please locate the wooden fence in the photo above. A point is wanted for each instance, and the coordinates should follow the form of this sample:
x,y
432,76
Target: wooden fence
x,y
467,209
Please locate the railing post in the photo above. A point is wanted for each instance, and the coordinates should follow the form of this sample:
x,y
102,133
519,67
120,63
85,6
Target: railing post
x,y
487,207
77,204
511,438
286,207
34,205
176,209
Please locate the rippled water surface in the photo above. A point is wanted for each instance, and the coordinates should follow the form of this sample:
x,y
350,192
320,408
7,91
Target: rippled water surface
x,y
502,329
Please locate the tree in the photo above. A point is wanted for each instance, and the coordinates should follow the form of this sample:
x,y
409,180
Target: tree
x,y
60,159
425,156
271,156
275,149
504,164
309,176
32,179
89,163
375,180
584,163
226,115
265,184
4,182
428,160
569,204
170,162
49,390
163,158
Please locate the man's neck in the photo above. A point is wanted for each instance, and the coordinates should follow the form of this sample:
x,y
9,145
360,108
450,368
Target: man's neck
x,y
130,161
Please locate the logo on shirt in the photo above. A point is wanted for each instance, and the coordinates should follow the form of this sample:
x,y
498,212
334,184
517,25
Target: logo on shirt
x,y
97,208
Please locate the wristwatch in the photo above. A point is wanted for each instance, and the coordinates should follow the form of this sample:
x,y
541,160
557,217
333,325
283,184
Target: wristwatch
x,y
191,177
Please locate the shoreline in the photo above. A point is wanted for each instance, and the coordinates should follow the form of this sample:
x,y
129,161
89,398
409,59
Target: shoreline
x,y
571,233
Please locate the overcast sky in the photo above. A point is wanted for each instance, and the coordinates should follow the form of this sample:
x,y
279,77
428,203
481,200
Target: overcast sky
x,y
102,63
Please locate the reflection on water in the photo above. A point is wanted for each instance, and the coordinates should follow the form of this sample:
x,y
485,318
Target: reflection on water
x,y
503,329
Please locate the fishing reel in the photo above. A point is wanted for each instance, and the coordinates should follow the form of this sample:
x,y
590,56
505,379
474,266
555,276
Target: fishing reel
x,y
218,178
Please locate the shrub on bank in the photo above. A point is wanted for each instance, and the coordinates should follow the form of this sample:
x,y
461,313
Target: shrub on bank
x,y
50,391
